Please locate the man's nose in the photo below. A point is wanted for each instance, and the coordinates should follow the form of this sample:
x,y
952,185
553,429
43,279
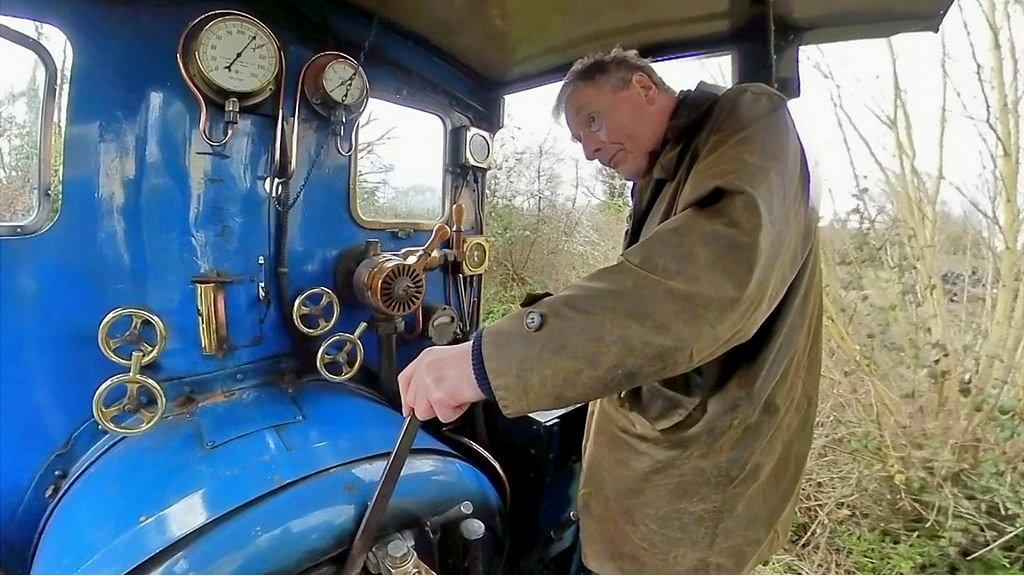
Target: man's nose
x,y
591,147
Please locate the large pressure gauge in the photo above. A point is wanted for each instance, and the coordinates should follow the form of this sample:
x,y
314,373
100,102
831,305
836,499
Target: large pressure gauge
x,y
232,59
237,55
233,56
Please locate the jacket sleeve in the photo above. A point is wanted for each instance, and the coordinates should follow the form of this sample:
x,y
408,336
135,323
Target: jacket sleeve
x,y
701,283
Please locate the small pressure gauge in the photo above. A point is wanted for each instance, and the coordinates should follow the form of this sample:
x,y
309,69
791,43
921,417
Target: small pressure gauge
x,y
335,83
473,147
477,255
232,56
479,148
336,87
344,82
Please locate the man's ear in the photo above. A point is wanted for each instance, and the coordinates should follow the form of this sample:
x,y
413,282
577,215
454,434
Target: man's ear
x,y
646,86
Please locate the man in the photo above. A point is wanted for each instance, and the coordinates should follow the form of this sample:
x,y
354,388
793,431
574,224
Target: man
x,y
699,350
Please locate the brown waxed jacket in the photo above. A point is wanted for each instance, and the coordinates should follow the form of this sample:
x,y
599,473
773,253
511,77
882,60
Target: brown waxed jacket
x,y
700,348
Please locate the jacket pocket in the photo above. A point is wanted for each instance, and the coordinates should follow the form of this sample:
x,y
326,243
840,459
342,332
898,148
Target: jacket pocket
x,y
679,402
532,298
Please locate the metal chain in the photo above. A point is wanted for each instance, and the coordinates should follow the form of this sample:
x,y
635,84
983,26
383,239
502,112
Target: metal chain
x,y
305,180
320,152
359,61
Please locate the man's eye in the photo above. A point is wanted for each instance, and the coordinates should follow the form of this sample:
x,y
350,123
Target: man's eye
x,y
593,123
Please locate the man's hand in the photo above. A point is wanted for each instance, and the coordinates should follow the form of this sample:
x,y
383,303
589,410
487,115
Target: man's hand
x,y
439,383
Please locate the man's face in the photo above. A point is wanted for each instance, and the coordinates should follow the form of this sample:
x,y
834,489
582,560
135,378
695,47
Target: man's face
x,y
616,127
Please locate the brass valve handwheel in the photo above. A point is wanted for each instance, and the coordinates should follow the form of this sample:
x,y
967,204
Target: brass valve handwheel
x,y
327,357
325,313
132,403
133,336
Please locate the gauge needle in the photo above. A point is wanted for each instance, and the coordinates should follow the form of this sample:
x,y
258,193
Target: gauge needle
x,y
348,81
239,55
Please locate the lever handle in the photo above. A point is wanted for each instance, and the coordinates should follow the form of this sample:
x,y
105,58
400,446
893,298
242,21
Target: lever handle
x,y
413,256
458,217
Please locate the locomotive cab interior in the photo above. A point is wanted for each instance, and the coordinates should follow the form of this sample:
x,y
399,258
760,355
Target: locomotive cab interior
x,y
243,219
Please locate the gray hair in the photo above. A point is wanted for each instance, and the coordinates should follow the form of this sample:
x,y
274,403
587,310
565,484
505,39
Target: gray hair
x,y
616,68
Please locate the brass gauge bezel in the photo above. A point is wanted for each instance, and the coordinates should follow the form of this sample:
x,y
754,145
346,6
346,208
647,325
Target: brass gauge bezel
x,y
469,243
203,80
314,85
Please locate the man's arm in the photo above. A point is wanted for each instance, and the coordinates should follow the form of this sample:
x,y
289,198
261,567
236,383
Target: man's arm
x,y
700,284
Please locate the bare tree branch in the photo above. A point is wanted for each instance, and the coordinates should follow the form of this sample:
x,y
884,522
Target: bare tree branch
x,y
980,75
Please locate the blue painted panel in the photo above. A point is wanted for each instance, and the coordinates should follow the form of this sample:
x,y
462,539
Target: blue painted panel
x,y
245,411
146,207
178,485
302,523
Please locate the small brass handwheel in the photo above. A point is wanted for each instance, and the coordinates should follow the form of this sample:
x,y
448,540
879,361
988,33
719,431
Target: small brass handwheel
x,y
134,402
349,358
138,336
324,311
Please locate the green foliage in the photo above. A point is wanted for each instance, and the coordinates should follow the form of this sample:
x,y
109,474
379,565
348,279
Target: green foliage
x,y
542,240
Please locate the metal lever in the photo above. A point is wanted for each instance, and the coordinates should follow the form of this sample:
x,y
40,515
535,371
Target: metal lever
x,y
413,256
379,503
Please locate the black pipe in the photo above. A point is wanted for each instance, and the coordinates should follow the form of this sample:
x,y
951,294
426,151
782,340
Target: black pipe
x,y
387,346
281,255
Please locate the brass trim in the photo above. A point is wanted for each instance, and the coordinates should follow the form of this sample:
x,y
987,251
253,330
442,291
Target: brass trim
x,y
213,321
108,344
304,307
377,275
104,415
195,75
208,78
325,358
467,243
198,86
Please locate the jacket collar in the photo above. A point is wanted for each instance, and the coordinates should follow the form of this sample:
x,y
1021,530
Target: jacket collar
x,y
692,108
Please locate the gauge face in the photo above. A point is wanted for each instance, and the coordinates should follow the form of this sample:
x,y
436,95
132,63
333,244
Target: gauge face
x,y
479,148
476,256
344,82
237,55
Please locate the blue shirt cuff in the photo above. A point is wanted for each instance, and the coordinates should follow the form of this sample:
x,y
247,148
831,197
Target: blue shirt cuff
x,y
479,371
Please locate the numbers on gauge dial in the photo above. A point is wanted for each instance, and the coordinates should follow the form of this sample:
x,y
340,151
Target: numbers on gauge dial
x,y
344,83
237,55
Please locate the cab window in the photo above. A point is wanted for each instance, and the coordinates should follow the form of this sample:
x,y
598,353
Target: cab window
x,y
37,62
399,175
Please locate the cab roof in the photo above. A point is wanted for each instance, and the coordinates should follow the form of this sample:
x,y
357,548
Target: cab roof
x,y
517,42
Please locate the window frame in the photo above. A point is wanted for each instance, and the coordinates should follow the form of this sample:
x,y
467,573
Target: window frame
x,y
375,224
44,189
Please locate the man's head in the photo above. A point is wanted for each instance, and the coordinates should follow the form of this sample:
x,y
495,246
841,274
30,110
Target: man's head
x,y
617,107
